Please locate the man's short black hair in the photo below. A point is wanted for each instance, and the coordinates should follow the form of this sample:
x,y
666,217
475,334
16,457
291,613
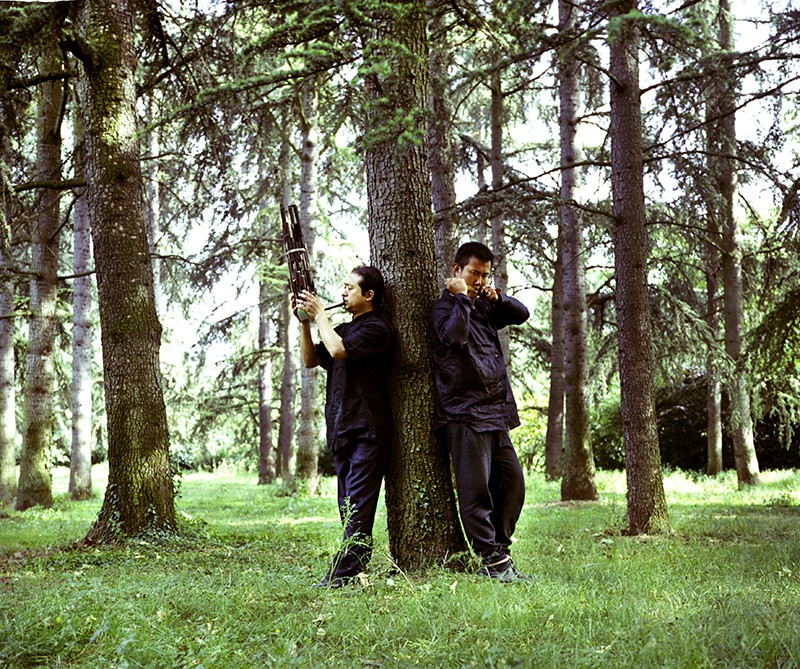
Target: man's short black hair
x,y
473,250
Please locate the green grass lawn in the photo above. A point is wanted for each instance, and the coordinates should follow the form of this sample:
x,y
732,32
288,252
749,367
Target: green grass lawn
x,y
235,590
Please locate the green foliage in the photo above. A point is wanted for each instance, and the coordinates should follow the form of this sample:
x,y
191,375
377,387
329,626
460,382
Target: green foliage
x,y
234,590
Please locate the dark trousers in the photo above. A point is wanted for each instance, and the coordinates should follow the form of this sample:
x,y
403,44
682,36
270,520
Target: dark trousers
x,y
490,486
360,467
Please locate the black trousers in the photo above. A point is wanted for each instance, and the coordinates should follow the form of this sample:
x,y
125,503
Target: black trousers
x,y
360,468
490,486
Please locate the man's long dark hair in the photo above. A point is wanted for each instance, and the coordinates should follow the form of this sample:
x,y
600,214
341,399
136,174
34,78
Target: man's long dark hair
x,y
372,279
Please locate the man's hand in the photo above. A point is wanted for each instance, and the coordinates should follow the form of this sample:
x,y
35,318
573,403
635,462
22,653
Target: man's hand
x,y
456,285
309,303
488,293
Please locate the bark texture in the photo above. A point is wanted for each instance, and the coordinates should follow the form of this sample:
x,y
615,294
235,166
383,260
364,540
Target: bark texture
x,y
287,343
554,437
722,164
308,438
421,512
288,393
441,154
647,507
578,477
8,420
266,449
499,247
713,375
140,493
80,462
35,481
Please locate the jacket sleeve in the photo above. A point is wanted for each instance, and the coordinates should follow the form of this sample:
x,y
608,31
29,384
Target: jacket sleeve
x,y
509,311
451,320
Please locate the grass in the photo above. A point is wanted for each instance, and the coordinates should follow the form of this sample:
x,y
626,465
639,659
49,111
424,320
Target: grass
x,y
235,590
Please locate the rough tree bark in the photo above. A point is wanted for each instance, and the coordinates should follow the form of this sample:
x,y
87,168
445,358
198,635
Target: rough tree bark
x,y
35,486
266,448
713,375
554,437
578,476
721,134
8,420
80,461
441,154
287,344
421,513
140,494
647,506
308,438
499,246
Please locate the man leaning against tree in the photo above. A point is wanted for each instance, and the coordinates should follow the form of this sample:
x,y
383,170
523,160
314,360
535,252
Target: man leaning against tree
x,y
357,356
476,408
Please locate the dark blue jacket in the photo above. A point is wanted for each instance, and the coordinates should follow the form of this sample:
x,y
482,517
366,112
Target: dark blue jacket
x,y
469,369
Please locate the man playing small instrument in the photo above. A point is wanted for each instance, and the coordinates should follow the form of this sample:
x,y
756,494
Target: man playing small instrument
x,y
357,356
476,407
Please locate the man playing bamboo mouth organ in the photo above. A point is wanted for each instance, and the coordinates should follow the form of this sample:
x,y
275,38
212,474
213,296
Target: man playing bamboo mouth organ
x,y
357,356
476,407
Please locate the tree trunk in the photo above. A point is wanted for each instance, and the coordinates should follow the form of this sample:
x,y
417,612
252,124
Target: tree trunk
x,y
154,198
308,442
578,481
647,507
266,449
713,382
722,163
80,462
35,481
288,394
8,420
421,514
288,347
554,437
499,267
442,158
140,494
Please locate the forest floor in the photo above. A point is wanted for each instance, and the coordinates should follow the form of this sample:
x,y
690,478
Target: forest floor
x,y
235,590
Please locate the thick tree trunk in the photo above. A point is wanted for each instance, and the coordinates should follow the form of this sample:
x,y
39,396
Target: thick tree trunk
x,y
140,494
308,441
578,480
722,149
35,481
554,437
421,513
442,158
80,462
647,506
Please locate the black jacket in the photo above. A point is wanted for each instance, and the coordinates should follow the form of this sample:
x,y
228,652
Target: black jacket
x,y
357,390
469,369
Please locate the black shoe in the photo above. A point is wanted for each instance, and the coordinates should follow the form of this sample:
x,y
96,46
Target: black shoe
x,y
510,574
334,582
